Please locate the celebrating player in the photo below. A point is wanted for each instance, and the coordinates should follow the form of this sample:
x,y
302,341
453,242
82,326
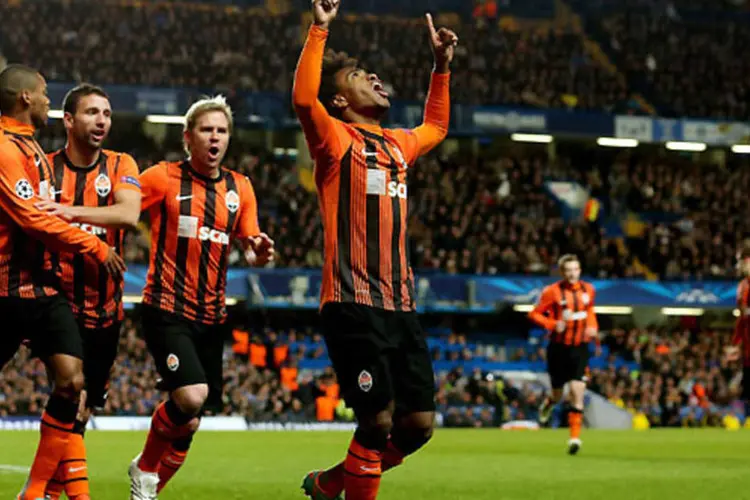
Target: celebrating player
x,y
196,209
740,347
29,301
566,310
374,339
98,191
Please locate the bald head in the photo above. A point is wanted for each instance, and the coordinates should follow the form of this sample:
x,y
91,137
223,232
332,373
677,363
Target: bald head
x,y
23,95
14,80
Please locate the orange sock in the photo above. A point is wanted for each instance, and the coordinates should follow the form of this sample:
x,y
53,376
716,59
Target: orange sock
x,y
76,471
55,487
173,460
167,425
392,457
575,420
362,470
56,429
333,479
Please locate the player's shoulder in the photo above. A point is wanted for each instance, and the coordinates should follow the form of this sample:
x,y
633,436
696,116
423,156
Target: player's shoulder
x,y
51,156
117,156
587,287
240,180
552,289
11,146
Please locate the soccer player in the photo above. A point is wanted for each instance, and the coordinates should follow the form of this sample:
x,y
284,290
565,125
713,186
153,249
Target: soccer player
x,y
566,310
374,339
740,347
98,191
30,305
197,208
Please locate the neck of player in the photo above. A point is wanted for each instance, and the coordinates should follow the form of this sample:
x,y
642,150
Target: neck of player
x,y
81,156
210,171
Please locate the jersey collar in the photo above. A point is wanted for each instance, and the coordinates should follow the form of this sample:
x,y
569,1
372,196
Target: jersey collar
x,y
16,127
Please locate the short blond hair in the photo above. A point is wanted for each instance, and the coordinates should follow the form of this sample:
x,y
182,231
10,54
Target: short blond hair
x,y
207,105
567,259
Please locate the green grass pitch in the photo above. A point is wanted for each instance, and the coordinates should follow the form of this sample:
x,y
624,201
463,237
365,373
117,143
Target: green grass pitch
x,y
457,464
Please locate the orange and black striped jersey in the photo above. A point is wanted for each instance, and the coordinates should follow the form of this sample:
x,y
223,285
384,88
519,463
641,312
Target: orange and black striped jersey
x,y
741,335
361,178
193,221
572,303
94,295
27,235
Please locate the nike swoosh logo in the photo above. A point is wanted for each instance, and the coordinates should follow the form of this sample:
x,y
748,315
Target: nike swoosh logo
x,y
369,153
38,161
183,198
76,469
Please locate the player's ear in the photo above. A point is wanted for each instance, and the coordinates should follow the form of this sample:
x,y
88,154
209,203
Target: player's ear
x,y
68,120
339,102
25,97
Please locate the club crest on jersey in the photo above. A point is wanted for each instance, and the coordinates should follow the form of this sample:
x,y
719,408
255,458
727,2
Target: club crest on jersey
x,y
173,362
103,185
24,189
232,199
365,381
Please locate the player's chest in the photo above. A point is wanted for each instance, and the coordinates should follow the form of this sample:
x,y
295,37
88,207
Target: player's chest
x,y
82,188
202,213
379,169
573,305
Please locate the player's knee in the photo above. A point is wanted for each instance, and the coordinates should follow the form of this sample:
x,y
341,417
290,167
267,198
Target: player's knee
x,y
373,432
190,400
69,383
193,425
413,432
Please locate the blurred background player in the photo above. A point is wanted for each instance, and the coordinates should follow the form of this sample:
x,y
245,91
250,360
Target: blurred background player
x,y
197,208
374,338
98,191
740,347
29,301
566,310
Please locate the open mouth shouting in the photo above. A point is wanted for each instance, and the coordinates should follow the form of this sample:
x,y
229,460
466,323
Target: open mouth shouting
x,y
379,89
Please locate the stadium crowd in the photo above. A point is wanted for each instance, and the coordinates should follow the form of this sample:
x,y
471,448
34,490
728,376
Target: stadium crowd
x,y
682,379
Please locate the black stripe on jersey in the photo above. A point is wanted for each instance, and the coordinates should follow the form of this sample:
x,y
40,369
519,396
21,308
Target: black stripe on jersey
x,y
183,244
209,219
344,234
59,176
158,288
372,225
396,270
103,286
577,324
221,280
79,270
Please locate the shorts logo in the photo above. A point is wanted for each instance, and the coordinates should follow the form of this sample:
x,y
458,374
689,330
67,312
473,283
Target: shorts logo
x,y
232,199
365,381
173,362
24,189
103,185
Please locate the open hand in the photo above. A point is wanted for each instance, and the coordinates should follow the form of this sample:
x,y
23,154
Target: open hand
x,y
443,42
114,264
65,212
324,11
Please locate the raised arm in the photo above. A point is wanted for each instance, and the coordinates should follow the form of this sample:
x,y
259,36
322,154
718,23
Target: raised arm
x,y
317,124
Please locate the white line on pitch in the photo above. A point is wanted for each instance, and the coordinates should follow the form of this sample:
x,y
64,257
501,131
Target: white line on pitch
x,y
19,469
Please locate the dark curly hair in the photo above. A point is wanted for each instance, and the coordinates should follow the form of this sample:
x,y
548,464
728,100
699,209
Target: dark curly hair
x,y
333,62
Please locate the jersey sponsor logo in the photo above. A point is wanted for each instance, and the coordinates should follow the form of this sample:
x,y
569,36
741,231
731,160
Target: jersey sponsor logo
x,y
127,179
397,189
569,315
232,199
173,362
90,228
24,189
585,298
103,185
365,381
213,235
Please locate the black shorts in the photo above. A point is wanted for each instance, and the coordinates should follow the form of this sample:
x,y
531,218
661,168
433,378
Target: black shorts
x,y
186,352
99,353
47,323
566,363
746,383
379,357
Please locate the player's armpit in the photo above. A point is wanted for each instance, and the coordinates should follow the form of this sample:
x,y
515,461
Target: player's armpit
x,y
17,198
319,127
437,115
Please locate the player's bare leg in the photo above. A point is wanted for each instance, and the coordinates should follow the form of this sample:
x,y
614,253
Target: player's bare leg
x,y
58,421
359,473
548,404
575,415
173,423
72,473
410,433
